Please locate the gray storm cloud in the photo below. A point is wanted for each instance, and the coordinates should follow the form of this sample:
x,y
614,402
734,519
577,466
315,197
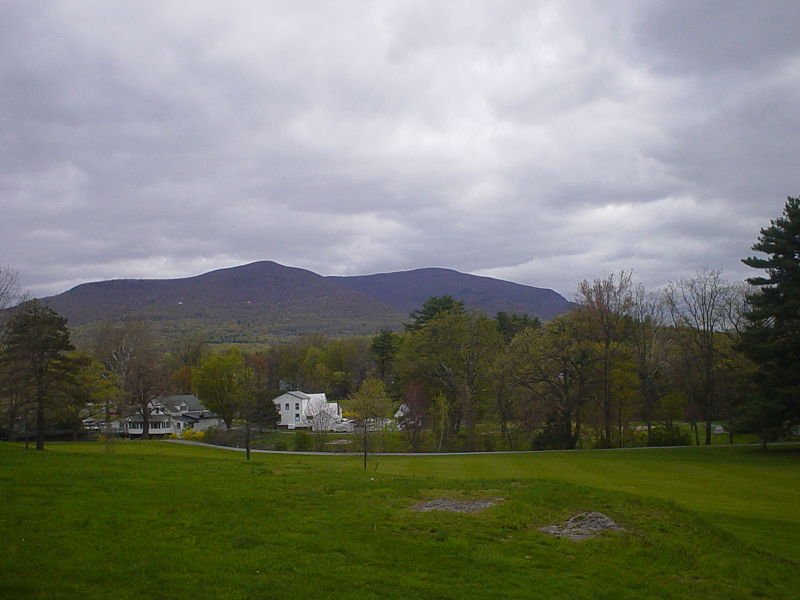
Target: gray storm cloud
x,y
542,142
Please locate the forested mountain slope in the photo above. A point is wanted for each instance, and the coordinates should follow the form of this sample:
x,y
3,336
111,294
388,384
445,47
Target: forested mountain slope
x,y
265,300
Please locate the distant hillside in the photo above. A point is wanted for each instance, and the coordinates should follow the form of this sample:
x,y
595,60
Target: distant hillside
x,y
264,300
407,290
250,303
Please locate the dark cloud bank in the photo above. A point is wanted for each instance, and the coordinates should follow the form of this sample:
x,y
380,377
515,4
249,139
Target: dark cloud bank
x,y
541,142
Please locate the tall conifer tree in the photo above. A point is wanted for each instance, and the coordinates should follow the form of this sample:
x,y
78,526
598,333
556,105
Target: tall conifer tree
x,y
772,338
35,359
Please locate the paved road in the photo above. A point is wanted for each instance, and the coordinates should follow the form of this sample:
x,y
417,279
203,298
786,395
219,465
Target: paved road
x,y
190,443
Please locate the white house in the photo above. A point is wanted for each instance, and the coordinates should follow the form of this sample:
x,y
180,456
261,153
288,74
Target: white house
x,y
311,411
172,415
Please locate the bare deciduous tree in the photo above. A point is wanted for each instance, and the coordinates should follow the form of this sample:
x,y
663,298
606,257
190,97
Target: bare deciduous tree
x,y
701,308
129,351
650,342
605,304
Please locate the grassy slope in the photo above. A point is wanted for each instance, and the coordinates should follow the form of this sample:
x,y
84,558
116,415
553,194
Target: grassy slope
x,y
169,521
751,493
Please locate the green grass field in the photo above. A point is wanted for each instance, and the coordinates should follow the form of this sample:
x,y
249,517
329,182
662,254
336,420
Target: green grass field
x,y
161,520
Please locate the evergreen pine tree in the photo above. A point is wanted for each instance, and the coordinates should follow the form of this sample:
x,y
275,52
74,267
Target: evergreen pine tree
x,y
36,342
772,337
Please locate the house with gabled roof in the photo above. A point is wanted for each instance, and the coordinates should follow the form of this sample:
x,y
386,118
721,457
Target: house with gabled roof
x,y
299,410
172,415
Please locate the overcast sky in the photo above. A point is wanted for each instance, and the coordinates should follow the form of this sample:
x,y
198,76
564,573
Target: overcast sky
x,y
540,142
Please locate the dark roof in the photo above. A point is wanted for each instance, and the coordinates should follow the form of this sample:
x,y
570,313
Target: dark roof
x,y
186,418
137,418
174,401
201,414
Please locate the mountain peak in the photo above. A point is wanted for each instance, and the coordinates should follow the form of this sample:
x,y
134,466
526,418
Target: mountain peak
x,y
264,300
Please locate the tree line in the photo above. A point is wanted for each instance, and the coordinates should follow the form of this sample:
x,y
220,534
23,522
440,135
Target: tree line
x,y
624,367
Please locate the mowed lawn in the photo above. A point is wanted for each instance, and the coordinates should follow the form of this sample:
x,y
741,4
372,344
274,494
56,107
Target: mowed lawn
x,y
160,520
752,493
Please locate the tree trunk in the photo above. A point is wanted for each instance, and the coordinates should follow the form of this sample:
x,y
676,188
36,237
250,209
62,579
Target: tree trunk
x,y
13,409
27,419
40,422
145,422
709,386
607,401
247,439
365,444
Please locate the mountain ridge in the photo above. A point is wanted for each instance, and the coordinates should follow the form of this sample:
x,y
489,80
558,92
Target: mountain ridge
x,y
264,300
487,294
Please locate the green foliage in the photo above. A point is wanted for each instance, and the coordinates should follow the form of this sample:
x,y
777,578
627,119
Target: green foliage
x,y
303,442
772,338
510,325
766,416
35,359
370,402
368,405
315,362
454,356
431,308
384,348
554,435
221,383
669,435
262,411
556,365
91,391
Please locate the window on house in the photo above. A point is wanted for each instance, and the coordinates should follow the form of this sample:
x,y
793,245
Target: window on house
x,y
297,406
296,416
287,406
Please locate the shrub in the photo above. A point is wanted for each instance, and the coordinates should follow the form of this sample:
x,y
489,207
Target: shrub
x,y
195,436
552,437
302,441
667,435
222,437
279,446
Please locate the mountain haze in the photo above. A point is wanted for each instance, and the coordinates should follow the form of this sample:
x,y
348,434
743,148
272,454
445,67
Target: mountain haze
x,y
264,300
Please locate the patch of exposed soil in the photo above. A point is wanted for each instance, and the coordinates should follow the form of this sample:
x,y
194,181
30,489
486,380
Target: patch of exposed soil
x,y
583,526
458,506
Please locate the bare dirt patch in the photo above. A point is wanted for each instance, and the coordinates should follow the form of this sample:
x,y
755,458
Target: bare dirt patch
x,y
583,526
458,506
